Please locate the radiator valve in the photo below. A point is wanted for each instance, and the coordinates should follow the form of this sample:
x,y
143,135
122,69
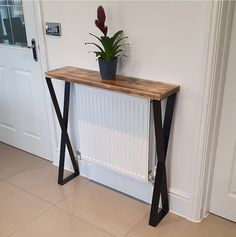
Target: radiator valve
x,y
152,175
78,155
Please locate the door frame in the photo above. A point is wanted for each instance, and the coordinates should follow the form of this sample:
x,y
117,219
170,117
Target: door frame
x,y
219,38
44,67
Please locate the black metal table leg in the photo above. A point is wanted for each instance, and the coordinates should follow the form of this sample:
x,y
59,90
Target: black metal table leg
x,y
65,140
162,134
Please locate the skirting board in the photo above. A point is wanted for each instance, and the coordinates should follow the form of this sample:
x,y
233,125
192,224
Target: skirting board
x,y
179,201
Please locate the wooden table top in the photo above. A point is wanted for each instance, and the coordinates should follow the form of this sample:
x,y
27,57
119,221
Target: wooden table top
x,y
134,86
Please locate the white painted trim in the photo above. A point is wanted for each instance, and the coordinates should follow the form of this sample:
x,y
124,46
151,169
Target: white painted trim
x,y
44,67
128,185
179,201
222,61
214,84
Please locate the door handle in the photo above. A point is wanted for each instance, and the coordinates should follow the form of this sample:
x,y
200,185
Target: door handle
x,y
34,49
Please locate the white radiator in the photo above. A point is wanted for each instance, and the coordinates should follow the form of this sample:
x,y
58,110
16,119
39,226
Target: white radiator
x,y
114,130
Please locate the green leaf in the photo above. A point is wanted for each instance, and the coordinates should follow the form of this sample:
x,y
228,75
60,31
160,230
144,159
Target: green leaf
x,y
98,54
96,46
117,47
95,37
120,40
118,51
110,47
116,35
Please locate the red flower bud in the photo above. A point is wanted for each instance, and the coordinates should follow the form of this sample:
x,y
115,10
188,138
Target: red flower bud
x,y
100,22
101,14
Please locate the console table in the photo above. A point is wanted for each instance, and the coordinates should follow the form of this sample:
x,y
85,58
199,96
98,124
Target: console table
x,y
153,90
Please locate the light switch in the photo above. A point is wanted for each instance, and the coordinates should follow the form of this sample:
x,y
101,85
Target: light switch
x,y
53,28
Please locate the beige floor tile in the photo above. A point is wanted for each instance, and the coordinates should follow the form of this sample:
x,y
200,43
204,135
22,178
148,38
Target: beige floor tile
x,y
17,208
105,208
13,160
177,226
56,222
41,180
29,216
4,147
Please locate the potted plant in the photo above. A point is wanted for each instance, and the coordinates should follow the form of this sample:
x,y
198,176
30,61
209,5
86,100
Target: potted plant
x,y
110,48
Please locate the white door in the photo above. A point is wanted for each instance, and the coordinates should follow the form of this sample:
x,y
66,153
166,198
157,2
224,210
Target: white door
x,y
223,197
23,115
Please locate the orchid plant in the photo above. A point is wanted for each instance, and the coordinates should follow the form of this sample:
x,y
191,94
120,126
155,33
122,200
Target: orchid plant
x,y
111,47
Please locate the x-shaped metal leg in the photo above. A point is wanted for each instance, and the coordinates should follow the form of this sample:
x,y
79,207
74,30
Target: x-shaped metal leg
x,y
162,137
65,140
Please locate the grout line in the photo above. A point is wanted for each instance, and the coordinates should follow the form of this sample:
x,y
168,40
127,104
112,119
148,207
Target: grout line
x,y
47,209
132,228
81,187
31,194
34,195
80,218
55,205
12,147
139,221
30,221
21,170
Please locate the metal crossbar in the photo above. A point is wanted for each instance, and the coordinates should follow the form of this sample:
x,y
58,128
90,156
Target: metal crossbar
x,y
65,140
162,138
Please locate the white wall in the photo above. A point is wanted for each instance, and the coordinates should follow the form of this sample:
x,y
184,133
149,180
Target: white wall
x,y
168,42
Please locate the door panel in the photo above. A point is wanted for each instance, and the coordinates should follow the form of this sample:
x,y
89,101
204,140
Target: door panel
x,y
223,197
23,115
6,102
24,82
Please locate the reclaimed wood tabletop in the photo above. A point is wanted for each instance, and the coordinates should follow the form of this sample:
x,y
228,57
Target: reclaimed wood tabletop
x,y
139,87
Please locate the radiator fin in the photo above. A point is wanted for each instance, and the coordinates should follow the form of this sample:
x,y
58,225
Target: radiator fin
x,y
114,130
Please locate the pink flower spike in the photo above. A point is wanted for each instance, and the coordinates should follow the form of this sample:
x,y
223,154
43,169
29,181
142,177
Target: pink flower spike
x,y
100,22
101,15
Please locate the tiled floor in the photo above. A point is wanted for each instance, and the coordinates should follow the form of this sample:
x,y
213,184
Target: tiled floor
x,y
33,205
